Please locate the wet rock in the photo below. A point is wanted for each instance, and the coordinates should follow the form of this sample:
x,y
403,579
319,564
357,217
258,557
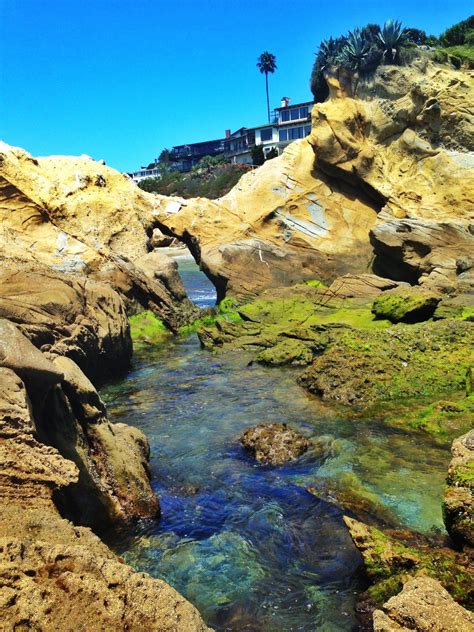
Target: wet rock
x,y
274,444
289,351
408,305
423,605
458,505
102,593
392,557
405,361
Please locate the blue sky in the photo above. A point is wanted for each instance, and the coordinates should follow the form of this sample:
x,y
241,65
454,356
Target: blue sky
x,y
121,79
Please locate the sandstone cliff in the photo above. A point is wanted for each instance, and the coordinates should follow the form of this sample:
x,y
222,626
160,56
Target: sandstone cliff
x,y
58,449
377,174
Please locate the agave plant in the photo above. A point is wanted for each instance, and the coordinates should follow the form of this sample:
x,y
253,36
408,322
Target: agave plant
x,y
393,37
355,51
329,51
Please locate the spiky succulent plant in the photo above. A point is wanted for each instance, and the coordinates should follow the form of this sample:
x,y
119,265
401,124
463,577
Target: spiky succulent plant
x,y
392,37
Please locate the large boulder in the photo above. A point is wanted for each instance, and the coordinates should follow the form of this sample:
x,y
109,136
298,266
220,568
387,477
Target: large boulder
x,y
362,367
405,305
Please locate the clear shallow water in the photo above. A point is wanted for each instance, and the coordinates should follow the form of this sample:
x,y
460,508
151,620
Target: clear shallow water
x,y
247,544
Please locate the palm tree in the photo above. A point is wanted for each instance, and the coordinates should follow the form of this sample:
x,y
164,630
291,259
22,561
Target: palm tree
x,y
267,63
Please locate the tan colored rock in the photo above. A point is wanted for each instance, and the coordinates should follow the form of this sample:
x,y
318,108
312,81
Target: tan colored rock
x,y
16,414
423,606
20,355
157,265
274,444
46,587
52,573
69,315
432,253
360,286
444,119
276,226
57,212
458,505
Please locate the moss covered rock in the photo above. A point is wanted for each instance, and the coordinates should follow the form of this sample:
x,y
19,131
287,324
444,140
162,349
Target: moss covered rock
x,y
441,421
288,351
391,557
147,329
403,362
405,305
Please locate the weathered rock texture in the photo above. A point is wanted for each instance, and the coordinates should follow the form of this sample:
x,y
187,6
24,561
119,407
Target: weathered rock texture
x,y
75,215
423,605
458,504
393,557
274,444
57,446
52,573
377,165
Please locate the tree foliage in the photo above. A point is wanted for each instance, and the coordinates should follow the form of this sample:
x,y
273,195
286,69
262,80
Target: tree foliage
x,y
212,177
456,34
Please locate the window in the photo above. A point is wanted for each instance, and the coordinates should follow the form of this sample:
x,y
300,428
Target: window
x,y
304,112
285,116
283,135
295,114
307,130
266,134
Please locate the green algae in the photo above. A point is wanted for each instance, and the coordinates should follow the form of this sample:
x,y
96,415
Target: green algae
x,y
147,329
315,283
404,307
289,351
455,312
398,363
463,475
441,421
389,562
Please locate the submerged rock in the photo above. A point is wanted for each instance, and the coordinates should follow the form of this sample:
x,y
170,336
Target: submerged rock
x,y
274,444
422,606
458,505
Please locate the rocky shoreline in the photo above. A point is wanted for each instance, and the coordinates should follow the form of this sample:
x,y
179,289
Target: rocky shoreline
x,y
290,250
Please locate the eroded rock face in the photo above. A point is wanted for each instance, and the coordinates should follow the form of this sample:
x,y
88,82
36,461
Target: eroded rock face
x,y
274,444
458,506
370,160
47,587
423,605
75,322
432,253
77,216
51,572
